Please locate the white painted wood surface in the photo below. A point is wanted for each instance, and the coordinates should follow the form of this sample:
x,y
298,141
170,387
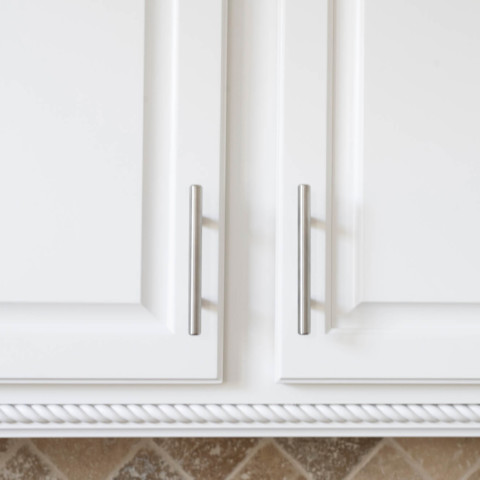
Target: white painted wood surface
x,y
109,112
401,301
255,108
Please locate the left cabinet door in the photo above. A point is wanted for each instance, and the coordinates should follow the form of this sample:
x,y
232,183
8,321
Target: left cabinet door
x,y
109,112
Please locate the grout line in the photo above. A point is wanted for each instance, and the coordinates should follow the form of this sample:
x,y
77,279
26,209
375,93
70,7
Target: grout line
x,y
410,460
170,460
365,459
301,468
475,467
261,443
132,451
46,459
130,455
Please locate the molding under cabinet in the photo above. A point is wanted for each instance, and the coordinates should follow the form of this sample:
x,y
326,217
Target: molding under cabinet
x,y
239,419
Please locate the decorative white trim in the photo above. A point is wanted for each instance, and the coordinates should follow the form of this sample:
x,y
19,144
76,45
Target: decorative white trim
x,y
228,415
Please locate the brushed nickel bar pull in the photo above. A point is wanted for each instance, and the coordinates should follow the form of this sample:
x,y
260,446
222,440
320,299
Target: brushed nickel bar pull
x,y
195,262
303,259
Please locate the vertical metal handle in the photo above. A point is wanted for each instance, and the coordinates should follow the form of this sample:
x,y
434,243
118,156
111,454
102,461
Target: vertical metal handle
x,y
303,259
195,262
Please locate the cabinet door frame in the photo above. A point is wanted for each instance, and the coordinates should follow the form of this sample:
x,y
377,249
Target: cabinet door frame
x,y
183,144
352,340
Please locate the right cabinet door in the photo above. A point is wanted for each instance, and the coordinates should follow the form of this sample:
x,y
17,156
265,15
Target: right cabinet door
x,y
378,258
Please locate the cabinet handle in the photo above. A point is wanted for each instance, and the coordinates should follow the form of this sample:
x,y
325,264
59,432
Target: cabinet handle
x,y
195,262
304,259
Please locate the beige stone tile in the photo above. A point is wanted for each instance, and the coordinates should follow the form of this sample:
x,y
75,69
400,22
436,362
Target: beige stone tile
x,y
269,463
443,458
26,465
388,464
328,458
85,458
148,465
217,456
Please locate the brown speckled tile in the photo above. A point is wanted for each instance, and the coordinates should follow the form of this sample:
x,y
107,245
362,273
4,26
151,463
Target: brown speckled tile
x,y
26,465
148,465
443,458
269,463
4,444
388,464
328,458
7,446
217,456
85,458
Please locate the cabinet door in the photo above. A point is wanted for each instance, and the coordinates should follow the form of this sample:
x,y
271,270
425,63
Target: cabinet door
x,y
109,111
380,114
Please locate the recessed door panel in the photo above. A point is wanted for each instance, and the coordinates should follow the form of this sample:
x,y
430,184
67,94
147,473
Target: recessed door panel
x,y
71,92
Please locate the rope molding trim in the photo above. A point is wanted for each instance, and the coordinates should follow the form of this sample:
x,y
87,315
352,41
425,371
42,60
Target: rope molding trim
x,y
229,414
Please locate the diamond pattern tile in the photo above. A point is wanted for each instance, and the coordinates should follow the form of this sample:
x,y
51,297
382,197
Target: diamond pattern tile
x,y
240,459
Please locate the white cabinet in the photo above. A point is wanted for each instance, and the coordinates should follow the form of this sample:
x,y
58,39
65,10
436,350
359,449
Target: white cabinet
x,y
109,111
380,115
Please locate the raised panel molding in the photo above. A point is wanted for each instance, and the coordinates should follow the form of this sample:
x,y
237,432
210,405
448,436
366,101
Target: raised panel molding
x,y
251,419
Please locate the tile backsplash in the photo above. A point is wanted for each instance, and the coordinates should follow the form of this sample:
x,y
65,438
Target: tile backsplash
x,y
241,459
